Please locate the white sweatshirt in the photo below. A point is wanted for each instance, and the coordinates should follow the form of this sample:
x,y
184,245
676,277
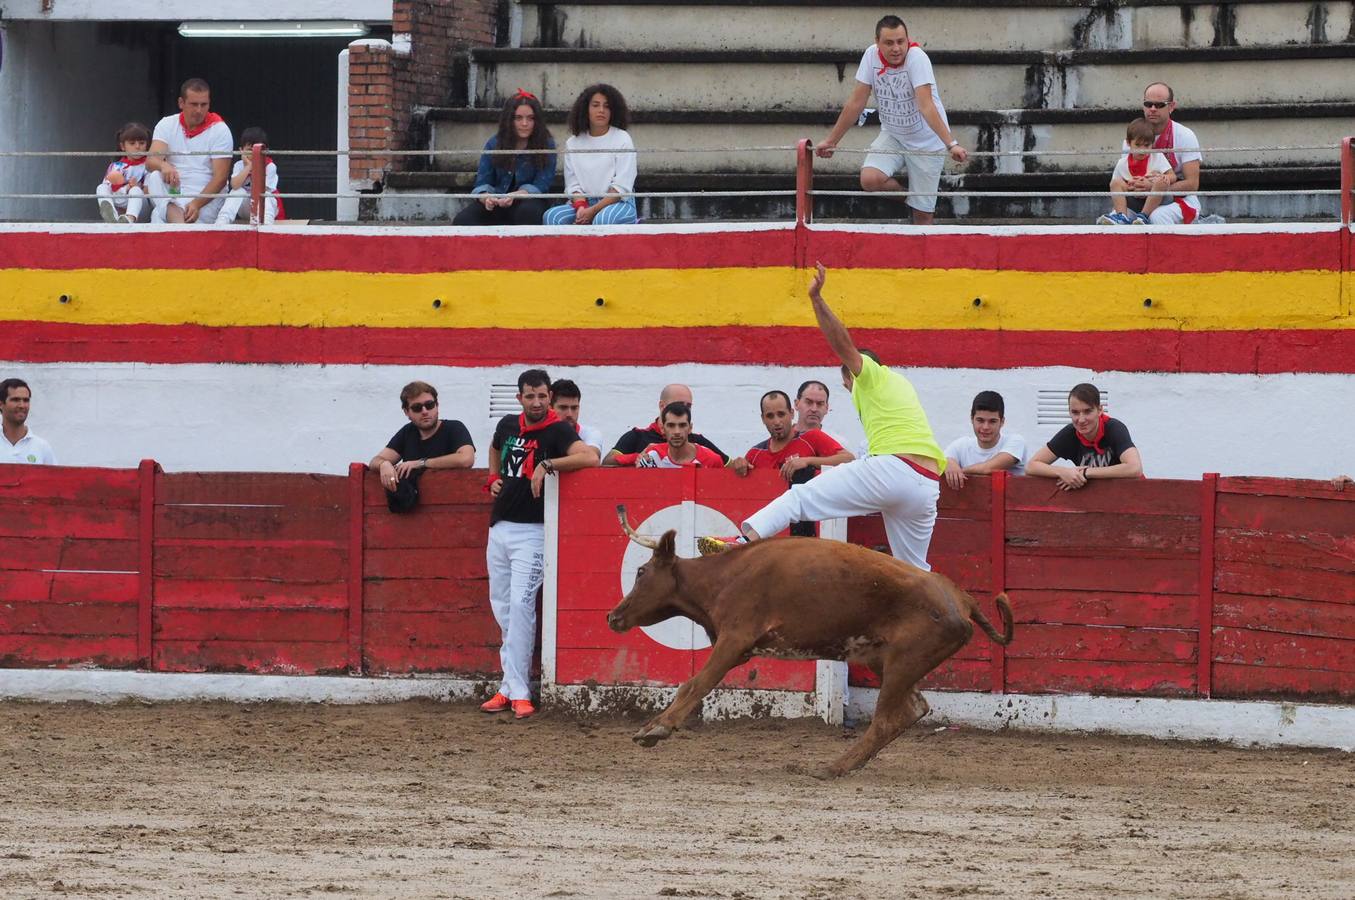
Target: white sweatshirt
x,y
592,174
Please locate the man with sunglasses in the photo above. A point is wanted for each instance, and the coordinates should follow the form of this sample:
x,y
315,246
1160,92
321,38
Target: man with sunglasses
x,y
425,442
1181,148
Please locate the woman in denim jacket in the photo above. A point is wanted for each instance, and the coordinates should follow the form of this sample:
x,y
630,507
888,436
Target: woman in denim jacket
x,y
521,127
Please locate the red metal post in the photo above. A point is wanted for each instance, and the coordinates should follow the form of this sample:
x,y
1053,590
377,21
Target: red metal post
x,y
1205,608
145,618
1347,180
258,183
356,473
999,561
804,181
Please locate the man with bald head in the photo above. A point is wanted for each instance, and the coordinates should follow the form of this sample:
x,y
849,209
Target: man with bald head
x,y
642,436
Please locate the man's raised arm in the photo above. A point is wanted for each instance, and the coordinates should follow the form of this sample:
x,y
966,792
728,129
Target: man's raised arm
x,y
832,326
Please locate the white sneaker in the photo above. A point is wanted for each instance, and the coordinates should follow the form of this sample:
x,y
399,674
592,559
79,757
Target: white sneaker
x,y
1211,219
108,210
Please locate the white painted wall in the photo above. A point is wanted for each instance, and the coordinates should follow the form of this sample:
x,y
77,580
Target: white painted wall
x,y
319,418
194,10
65,86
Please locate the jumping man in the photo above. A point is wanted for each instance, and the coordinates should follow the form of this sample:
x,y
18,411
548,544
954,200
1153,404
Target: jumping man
x,y
901,477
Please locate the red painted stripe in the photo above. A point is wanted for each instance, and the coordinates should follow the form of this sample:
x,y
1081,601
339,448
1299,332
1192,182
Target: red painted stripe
x,y
398,253
1245,352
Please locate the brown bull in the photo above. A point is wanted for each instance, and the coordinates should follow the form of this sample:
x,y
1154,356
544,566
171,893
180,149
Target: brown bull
x,y
805,598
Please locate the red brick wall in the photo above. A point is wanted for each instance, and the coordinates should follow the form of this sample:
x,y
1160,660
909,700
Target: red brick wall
x,y
384,86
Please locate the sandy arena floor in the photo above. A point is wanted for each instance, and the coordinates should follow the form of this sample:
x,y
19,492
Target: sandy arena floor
x,y
429,800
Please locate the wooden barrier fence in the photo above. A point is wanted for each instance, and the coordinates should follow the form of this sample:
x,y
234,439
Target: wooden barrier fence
x,y
1225,587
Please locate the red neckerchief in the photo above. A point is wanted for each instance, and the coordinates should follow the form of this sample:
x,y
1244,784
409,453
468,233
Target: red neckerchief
x,y
1094,443
212,119
132,160
654,427
1165,140
1139,167
525,428
886,66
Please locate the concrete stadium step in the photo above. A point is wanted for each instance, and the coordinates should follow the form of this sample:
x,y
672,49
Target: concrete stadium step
x,y
1265,125
394,204
969,79
959,24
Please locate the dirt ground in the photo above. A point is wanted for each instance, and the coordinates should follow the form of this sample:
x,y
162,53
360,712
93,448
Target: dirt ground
x,y
434,800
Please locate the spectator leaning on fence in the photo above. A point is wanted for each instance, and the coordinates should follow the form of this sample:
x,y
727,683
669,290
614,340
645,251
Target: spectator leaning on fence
x,y
522,126
598,181
797,455
989,449
177,169
912,120
21,444
425,442
242,178
121,192
1159,102
1097,445
677,450
640,437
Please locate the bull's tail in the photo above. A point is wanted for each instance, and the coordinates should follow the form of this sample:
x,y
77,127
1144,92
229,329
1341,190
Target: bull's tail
x,y
1005,609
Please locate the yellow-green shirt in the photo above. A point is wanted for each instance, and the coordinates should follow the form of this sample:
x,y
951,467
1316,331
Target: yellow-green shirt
x,y
892,415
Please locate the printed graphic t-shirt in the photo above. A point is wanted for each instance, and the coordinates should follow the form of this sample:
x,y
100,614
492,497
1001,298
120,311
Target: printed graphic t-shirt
x,y
637,439
519,455
1114,442
895,90
655,456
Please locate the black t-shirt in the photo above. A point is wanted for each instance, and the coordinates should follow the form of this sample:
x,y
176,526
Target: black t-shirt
x,y
638,439
1114,442
519,455
450,437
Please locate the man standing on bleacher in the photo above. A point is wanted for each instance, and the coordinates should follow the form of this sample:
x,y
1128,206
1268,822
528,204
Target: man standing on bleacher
x,y
914,133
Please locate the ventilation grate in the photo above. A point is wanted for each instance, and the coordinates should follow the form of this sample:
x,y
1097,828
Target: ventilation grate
x,y
1051,406
503,401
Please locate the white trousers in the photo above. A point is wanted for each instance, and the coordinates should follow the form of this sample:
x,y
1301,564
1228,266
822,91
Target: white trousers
x,y
876,484
161,198
129,200
238,202
516,560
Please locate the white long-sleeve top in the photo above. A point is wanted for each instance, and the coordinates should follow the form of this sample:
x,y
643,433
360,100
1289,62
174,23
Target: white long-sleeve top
x,y
592,174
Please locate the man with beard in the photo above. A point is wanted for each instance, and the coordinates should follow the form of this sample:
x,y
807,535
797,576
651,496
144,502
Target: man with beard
x,y
797,455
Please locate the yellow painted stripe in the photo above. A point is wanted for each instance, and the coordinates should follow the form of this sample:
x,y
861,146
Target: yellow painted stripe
x,y
863,298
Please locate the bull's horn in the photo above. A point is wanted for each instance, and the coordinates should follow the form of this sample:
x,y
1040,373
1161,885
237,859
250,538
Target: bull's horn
x,y
651,543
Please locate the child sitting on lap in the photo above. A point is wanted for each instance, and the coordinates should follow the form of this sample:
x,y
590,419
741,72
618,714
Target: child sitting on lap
x,y
1141,169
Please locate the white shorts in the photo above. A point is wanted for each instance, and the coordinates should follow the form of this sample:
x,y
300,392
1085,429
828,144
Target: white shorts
x,y
924,172
1181,211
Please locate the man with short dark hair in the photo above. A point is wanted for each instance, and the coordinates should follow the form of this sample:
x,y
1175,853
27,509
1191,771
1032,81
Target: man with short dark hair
x,y
21,444
425,441
526,448
190,155
640,437
797,455
901,478
989,449
678,450
566,399
915,136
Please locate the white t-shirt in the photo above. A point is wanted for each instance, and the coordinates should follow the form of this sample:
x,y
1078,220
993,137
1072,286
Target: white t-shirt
x,y
1157,164
896,97
593,438
591,174
1178,135
270,176
194,171
30,449
967,452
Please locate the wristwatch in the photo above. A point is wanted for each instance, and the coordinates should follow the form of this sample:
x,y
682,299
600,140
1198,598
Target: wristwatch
x,y
952,144
548,466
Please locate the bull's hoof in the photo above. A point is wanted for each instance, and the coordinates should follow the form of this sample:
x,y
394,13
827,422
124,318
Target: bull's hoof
x,y
651,735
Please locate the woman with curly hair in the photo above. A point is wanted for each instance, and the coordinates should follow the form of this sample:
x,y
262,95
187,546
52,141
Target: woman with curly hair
x,y
598,181
515,177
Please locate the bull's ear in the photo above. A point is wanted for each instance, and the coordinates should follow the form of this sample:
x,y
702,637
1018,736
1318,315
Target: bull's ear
x,y
666,552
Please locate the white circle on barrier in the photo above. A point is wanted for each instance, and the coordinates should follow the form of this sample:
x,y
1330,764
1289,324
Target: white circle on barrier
x,y
679,632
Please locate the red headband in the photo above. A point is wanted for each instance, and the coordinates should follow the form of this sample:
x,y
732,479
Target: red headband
x,y
524,95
